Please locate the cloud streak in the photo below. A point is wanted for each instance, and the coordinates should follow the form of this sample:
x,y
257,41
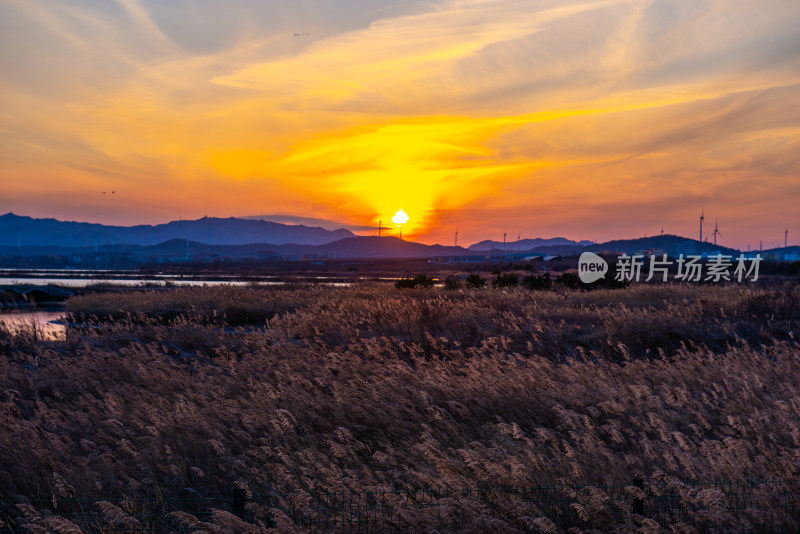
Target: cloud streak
x,y
535,114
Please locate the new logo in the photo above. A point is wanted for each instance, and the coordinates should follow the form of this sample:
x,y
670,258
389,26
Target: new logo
x,y
591,267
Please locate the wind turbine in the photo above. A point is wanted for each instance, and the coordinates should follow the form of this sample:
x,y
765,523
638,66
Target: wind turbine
x,y
456,241
702,216
786,238
716,231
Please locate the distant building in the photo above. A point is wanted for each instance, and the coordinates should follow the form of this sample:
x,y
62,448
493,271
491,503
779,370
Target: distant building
x,y
481,258
652,252
477,258
516,256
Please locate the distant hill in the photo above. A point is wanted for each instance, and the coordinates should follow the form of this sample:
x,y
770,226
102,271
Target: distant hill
x,y
782,250
372,247
672,245
178,248
174,248
527,244
312,221
348,248
18,230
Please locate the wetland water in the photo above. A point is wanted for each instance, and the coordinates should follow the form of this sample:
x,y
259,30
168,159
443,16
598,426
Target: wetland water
x,y
50,322
43,321
85,278
67,278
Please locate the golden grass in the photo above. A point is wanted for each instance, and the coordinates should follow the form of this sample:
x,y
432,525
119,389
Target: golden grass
x,y
374,387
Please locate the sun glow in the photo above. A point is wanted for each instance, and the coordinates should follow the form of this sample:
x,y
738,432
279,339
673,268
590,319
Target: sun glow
x,y
470,115
400,217
425,164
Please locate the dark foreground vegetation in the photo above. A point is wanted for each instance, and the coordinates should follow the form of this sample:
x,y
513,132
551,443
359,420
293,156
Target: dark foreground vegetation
x,y
593,411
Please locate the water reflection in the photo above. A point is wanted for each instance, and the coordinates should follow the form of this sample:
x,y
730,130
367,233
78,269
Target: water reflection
x,y
42,322
155,282
85,278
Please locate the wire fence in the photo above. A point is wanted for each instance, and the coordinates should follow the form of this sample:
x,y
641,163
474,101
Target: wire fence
x,y
745,506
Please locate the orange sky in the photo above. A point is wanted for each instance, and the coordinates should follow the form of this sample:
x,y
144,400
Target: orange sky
x,y
585,119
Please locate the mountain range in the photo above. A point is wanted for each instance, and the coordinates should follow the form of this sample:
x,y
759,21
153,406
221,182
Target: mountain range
x,y
243,238
16,230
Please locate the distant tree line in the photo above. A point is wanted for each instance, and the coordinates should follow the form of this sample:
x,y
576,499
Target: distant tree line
x,y
533,282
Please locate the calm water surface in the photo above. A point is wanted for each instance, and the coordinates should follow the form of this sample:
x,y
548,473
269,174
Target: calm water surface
x,y
42,321
85,278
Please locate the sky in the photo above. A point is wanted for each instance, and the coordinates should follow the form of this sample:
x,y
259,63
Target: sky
x,y
588,119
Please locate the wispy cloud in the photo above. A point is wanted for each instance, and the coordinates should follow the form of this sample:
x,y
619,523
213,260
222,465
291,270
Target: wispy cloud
x,y
533,113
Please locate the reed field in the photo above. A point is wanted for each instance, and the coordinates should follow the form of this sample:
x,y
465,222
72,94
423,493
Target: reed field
x,y
508,409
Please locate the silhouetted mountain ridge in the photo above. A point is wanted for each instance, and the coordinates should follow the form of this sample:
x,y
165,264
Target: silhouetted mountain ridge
x,y
672,245
526,244
239,239
372,247
27,231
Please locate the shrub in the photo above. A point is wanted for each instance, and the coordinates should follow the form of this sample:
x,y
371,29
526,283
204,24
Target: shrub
x,y
475,281
573,281
534,282
609,282
451,284
569,280
506,280
418,281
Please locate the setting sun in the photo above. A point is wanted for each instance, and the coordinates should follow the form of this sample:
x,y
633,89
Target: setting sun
x,y
400,217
